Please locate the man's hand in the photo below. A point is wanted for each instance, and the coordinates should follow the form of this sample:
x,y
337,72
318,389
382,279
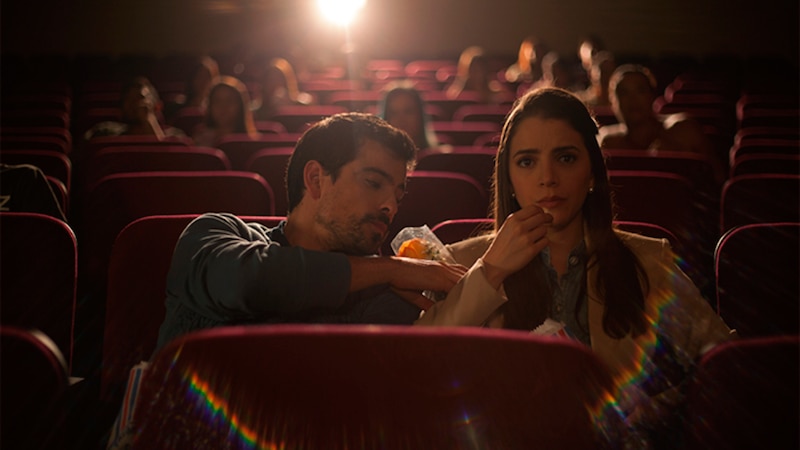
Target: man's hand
x,y
406,274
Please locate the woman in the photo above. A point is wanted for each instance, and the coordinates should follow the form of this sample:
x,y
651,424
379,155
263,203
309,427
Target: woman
x,y
555,255
227,113
403,107
279,87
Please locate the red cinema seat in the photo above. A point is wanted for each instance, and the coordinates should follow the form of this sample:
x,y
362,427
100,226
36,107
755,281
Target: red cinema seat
x,y
434,197
339,387
137,283
756,278
38,276
744,395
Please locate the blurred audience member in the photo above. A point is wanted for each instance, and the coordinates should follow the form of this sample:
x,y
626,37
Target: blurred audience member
x,y
596,94
528,67
141,109
279,87
201,78
403,107
588,47
555,73
474,74
228,113
632,90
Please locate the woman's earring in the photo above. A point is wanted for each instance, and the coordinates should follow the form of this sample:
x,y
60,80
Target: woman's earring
x,y
591,189
514,195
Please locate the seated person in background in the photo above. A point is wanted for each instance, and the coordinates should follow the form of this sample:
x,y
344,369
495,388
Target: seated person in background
x,y
588,47
473,74
555,73
141,108
556,255
228,113
528,67
403,107
198,85
278,88
24,188
597,94
632,90
345,180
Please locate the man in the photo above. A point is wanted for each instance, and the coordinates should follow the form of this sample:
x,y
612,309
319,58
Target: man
x,y
632,91
140,108
345,181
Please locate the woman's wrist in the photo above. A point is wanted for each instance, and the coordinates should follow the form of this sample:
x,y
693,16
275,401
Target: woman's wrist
x,y
494,275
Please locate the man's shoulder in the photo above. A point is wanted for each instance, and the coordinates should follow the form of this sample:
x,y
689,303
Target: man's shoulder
x,y
230,223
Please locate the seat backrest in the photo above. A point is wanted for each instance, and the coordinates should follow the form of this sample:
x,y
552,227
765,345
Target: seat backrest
x,y
759,198
660,198
756,269
482,113
476,162
130,158
456,230
34,386
777,163
297,118
433,197
696,167
744,395
762,146
137,283
342,386
117,200
52,163
51,143
464,133
95,144
271,163
240,148
38,276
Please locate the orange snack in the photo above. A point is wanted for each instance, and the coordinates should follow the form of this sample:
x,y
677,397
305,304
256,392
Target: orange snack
x,y
414,248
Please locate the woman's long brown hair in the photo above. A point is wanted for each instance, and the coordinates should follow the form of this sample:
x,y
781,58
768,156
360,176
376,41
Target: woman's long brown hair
x,y
621,281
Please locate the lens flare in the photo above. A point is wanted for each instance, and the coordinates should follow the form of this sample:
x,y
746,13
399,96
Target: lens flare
x,y
340,12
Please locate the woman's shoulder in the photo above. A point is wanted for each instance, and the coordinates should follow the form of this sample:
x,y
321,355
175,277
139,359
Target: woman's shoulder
x,y
643,245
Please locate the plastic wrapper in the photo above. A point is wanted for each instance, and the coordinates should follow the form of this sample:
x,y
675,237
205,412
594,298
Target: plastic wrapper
x,y
421,243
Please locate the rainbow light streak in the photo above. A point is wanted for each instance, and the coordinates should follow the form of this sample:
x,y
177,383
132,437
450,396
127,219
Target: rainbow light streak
x,y
217,409
609,414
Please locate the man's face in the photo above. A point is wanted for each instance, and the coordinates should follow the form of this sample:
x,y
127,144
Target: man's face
x,y
139,102
356,209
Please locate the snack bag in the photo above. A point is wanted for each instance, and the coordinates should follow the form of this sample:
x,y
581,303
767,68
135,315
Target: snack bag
x,y
420,243
552,328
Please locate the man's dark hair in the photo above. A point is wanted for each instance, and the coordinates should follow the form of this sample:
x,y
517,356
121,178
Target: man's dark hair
x,y
336,140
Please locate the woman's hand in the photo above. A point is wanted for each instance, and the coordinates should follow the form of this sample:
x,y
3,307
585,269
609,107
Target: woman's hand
x,y
518,241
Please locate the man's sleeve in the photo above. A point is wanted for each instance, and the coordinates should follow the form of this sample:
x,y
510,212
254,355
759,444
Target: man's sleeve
x,y
226,270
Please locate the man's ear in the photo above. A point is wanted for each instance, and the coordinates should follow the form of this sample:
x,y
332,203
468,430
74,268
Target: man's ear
x,y
312,178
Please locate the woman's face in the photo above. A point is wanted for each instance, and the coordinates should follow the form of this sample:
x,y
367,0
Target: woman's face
x,y
549,166
224,106
633,98
402,112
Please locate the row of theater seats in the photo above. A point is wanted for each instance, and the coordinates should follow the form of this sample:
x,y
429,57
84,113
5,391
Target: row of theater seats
x,y
338,387
756,267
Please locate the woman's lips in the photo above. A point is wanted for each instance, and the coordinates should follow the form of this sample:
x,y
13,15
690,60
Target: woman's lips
x,y
550,202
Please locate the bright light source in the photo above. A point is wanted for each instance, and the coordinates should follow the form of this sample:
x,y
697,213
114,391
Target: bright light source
x,y
340,12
